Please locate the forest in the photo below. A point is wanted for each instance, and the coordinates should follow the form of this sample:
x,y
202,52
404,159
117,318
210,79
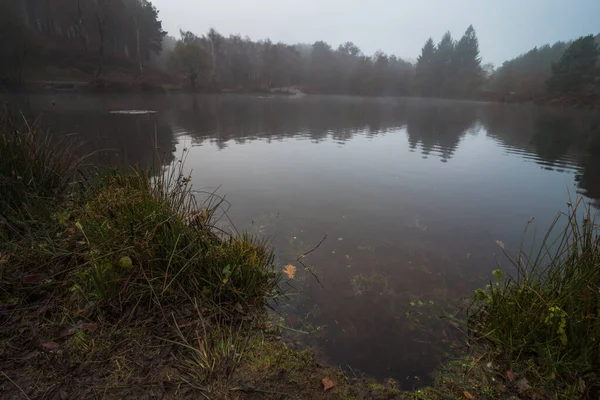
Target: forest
x,y
116,40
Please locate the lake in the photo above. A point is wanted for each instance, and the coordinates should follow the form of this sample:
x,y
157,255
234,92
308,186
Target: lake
x,y
412,197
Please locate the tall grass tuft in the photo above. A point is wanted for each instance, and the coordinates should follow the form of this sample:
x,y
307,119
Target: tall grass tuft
x,y
147,241
546,318
35,173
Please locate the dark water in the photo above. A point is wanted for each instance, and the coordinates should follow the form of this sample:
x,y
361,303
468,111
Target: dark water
x,y
412,196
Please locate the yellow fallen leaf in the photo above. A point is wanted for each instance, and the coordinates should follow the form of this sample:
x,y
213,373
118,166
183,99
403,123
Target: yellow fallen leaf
x,y
290,271
468,395
327,384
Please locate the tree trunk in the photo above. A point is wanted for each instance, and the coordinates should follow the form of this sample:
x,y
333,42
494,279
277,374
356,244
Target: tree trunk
x,y
80,29
100,70
139,55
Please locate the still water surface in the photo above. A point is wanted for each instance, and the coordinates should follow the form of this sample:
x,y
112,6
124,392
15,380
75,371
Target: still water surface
x,y
411,194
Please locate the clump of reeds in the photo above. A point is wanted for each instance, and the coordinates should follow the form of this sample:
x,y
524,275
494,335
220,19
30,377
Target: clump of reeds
x,y
545,319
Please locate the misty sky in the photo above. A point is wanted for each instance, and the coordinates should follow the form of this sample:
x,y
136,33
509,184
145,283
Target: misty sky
x,y
506,28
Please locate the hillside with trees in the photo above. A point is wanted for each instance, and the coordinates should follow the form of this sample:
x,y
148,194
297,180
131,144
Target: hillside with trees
x,y
550,72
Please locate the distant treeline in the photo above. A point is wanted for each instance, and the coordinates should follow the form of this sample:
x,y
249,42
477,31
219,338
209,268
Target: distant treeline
x,y
76,34
106,32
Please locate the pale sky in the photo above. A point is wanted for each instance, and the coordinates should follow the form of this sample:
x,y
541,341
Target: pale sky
x,y
506,28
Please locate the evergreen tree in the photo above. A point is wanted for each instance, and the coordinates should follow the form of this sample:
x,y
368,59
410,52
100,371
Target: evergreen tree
x,y
443,70
576,71
424,69
467,65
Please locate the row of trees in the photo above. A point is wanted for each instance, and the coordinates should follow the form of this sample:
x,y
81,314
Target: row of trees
x,y
120,28
450,69
235,62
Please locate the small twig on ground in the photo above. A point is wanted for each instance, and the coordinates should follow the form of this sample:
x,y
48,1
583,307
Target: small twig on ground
x,y
255,390
18,387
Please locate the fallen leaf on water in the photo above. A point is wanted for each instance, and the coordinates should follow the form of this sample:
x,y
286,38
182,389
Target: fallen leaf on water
x,y
500,243
50,347
290,271
468,395
454,324
327,384
510,375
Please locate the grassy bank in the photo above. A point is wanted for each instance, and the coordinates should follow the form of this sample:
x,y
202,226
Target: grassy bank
x,y
103,273
121,286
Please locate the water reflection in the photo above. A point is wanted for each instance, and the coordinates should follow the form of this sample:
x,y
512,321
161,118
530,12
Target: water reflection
x,y
240,119
406,232
437,127
107,139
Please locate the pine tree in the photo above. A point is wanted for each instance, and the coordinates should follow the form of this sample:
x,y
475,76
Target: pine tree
x,y
467,65
576,71
424,69
443,68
